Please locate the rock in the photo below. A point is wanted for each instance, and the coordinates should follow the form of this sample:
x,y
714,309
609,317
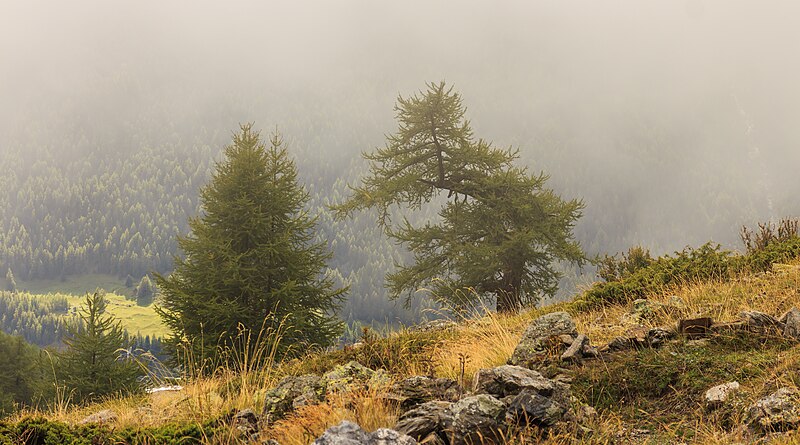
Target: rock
x,y
530,408
426,422
246,421
778,411
791,321
510,380
348,433
656,337
695,327
618,344
420,389
352,375
718,395
102,417
575,351
292,392
475,419
536,342
760,322
590,351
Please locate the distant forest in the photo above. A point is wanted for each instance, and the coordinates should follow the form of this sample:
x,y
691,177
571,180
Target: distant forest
x,y
90,188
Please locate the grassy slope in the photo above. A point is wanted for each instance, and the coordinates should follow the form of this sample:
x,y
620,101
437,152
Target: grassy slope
x,y
656,390
134,318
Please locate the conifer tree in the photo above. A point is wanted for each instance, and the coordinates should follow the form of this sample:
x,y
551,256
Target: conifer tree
x,y
500,230
91,364
11,283
251,261
145,291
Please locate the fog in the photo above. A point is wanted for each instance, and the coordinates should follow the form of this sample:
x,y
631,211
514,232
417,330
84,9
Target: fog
x,y
675,121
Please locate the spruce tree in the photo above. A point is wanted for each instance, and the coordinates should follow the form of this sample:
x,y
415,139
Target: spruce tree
x,y
91,365
500,230
11,283
145,291
251,261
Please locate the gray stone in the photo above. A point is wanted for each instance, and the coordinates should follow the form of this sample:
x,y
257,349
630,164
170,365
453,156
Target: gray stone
x,y
718,395
530,408
416,390
102,417
760,322
537,341
509,380
475,419
435,325
349,433
575,351
426,422
791,321
292,392
778,411
619,344
656,337
246,421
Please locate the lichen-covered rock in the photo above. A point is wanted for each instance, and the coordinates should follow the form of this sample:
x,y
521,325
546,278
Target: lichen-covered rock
x,y
102,417
531,408
509,380
537,339
475,419
292,392
351,376
416,390
426,422
718,395
349,433
779,411
657,337
246,422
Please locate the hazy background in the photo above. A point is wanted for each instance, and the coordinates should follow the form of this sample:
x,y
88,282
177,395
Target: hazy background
x,y
675,121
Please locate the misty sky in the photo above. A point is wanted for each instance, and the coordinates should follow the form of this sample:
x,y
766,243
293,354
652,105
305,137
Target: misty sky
x,y
641,100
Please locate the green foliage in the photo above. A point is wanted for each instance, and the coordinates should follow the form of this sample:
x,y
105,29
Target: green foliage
x,y
23,376
129,281
637,275
611,268
251,262
11,283
40,431
91,366
145,291
499,232
39,319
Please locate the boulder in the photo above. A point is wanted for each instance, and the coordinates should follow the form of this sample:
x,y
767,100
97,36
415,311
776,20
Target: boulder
x,y
349,433
778,411
475,419
791,322
292,392
101,417
720,394
416,390
510,380
426,422
531,408
536,341
352,375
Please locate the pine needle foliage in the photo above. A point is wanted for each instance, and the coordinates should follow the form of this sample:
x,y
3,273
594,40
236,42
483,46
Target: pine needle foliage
x,y
500,230
251,261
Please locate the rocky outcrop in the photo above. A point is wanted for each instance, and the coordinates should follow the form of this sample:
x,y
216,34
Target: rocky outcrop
x,y
426,423
417,390
541,337
779,411
348,433
791,323
292,392
507,380
475,419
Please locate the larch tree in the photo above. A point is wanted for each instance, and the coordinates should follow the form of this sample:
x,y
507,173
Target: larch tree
x,y
92,364
251,262
499,231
